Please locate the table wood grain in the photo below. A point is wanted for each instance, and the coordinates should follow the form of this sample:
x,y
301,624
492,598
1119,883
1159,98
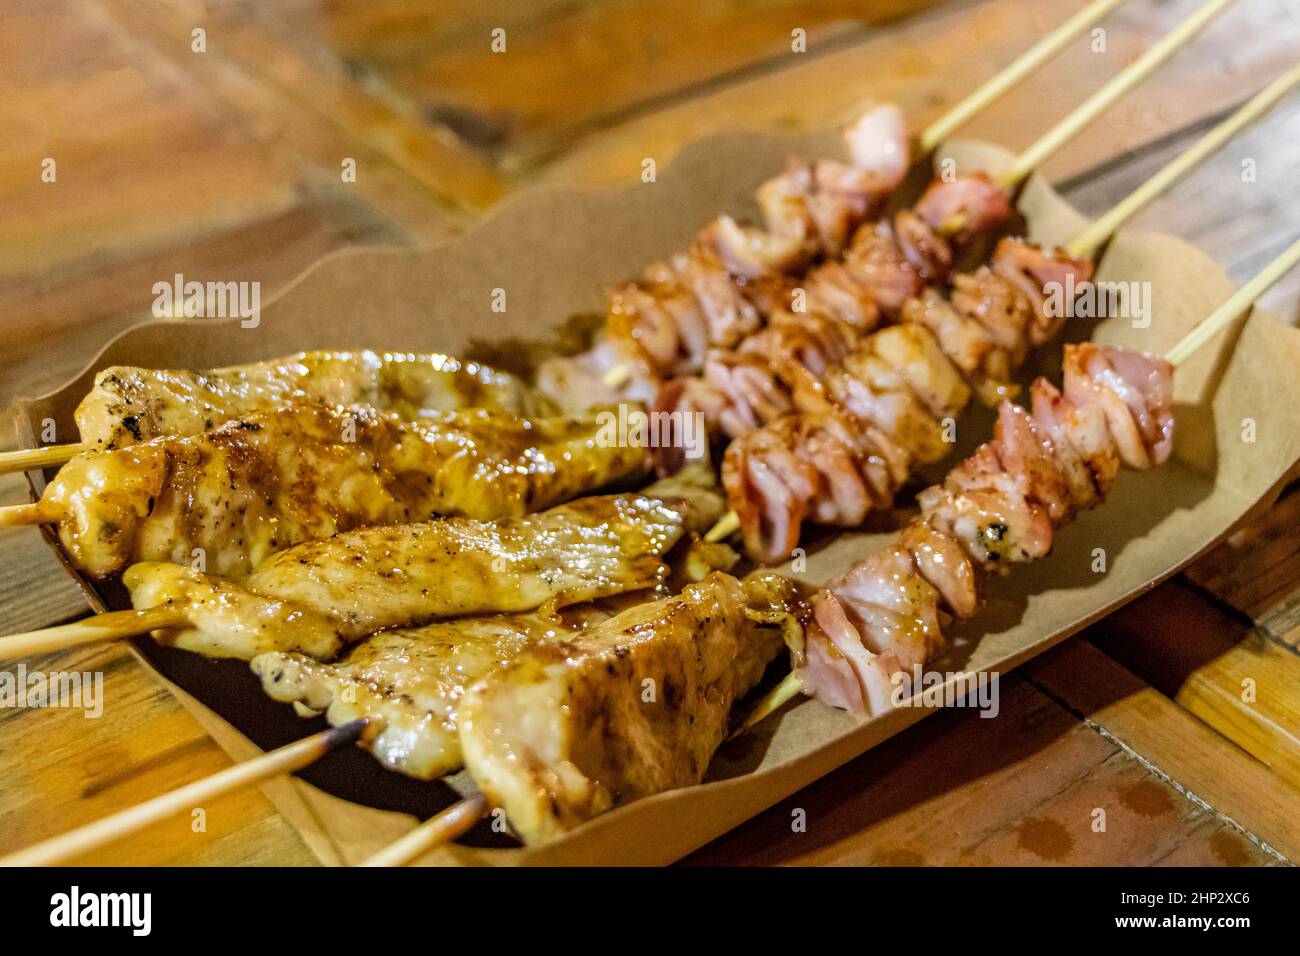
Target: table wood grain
x,y
226,163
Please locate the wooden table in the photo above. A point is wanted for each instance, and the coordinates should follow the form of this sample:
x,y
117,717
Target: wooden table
x,y
225,164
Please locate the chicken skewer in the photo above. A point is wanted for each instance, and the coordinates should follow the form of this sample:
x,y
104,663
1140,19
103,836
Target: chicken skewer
x,y
897,389
315,597
277,478
708,297
656,330
999,507
130,405
704,647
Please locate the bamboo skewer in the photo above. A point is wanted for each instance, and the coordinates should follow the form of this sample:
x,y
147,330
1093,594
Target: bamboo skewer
x,y
286,759
35,513
1013,73
1218,320
1098,233
1233,306
44,457
437,830
1099,102
112,626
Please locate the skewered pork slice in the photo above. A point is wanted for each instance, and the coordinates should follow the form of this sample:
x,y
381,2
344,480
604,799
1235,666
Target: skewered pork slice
x,y
1000,506
408,683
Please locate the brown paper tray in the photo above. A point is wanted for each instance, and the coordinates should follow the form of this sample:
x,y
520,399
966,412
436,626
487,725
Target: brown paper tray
x,y
553,251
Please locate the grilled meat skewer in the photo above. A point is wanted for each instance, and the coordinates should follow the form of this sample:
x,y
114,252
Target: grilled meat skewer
x,y
129,405
858,428
997,508
635,706
318,596
281,477
733,277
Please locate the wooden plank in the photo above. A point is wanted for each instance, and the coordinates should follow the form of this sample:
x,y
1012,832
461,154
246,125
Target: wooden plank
x,y
957,789
620,57
1169,738
312,100
1257,571
63,769
1244,685
925,65
56,323
143,160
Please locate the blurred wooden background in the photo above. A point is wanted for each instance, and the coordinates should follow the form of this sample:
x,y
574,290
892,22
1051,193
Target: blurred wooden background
x,y
225,164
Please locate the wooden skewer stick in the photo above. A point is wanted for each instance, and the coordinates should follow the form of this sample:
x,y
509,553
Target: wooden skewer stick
x,y
1234,306
44,457
1013,73
286,759
435,831
1229,311
1099,102
1096,235
36,513
1092,238
113,626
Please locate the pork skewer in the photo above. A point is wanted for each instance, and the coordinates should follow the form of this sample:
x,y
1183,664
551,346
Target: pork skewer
x,y
281,477
657,331
892,395
999,507
824,203
318,596
130,405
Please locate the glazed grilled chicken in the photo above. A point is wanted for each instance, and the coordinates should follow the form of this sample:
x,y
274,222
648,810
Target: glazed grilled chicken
x,y
408,683
999,507
854,430
734,277
320,595
635,706
129,405
281,477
